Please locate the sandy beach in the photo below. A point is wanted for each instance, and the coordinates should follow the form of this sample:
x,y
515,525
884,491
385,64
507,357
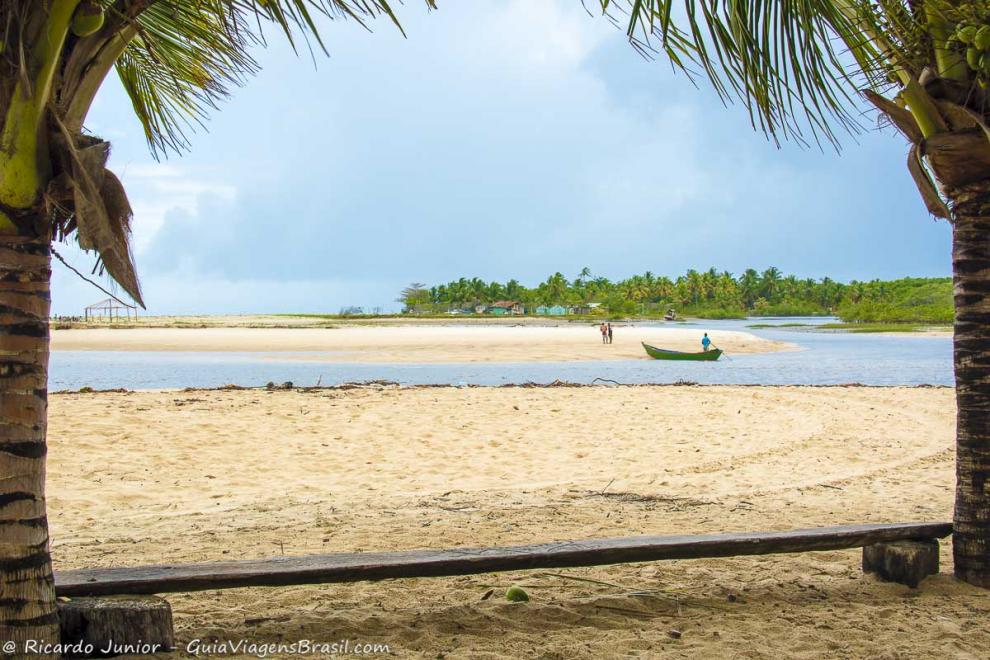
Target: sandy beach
x,y
137,478
416,343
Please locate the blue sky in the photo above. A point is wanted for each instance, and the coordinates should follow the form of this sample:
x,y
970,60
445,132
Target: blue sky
x,y
501,139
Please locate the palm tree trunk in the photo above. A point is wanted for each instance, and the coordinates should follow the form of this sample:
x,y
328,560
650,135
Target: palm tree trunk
x,y
27,593
971,274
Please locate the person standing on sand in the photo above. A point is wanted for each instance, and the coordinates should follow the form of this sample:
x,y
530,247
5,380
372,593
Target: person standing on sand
x,y
705,342
610,333
604,332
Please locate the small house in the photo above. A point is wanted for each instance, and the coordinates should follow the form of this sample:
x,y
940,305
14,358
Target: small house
x,y
505,308
586,308
551,310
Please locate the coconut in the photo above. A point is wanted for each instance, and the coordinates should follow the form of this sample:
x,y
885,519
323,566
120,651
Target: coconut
x,y
87,19
966,34
515,594
973,58
982,39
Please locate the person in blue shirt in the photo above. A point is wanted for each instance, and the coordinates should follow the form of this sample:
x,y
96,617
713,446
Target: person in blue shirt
x,y
705,342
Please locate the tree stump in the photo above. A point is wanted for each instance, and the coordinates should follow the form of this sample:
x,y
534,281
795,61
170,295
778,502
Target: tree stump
x,y
115,625
904,562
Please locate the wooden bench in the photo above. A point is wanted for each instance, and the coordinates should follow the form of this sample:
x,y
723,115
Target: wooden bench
x,y
110,605
367,566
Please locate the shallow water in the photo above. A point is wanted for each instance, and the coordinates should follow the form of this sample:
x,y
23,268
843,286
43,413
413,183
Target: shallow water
x,y
824,358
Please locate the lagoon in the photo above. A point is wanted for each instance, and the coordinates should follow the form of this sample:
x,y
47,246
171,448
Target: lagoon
x,y
822,358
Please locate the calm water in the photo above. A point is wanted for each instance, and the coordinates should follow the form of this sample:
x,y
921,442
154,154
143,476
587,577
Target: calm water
x,y
825,358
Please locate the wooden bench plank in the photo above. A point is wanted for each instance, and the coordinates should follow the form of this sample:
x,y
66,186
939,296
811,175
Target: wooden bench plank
x,y
368,566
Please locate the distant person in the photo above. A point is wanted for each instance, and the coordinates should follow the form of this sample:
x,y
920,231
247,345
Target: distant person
x,y
604,330
609,333
706,342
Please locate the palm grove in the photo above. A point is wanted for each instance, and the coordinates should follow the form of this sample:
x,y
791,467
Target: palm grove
x,y
798,67
707,294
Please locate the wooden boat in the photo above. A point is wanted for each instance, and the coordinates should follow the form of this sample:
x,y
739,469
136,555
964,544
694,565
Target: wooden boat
x,y
664,354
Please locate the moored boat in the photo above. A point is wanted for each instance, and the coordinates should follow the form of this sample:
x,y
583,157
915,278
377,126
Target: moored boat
x,y
665,354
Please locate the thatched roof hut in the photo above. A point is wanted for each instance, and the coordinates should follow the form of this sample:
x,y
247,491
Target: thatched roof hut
x,y
110,309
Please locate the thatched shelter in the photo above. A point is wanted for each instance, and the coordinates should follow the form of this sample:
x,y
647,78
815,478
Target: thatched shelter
x,y
110,309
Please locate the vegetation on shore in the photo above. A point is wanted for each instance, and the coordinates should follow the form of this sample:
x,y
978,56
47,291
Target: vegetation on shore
x,y
859,327
885,327
709,294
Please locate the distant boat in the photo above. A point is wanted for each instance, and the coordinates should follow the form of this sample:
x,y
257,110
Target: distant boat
x,y
664,354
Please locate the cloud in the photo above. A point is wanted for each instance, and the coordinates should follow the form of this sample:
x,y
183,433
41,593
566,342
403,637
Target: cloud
x,y
159,189
511,140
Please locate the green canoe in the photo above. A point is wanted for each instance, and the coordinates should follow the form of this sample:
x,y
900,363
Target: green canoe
x,y
664,354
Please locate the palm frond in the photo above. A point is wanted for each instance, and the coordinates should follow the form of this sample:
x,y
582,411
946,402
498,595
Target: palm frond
x,y
796,65
187,55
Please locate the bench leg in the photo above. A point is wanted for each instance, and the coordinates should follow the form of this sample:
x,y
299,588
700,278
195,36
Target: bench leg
x,y
116,625
905,562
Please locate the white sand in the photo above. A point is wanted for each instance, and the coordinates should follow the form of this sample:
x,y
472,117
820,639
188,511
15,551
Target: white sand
x,y
151,477
410,343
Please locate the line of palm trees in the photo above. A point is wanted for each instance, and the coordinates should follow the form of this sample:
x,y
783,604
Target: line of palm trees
x,y
750,290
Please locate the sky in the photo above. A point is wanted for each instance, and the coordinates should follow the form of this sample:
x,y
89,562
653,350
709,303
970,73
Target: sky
x,y
500,139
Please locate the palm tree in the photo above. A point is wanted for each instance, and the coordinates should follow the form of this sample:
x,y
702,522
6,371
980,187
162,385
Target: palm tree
x,y
925,65
176,59
829,293
495,292
726,289
770,283
664,289
479,290
461,291
694,285
556,288
749,283
514,290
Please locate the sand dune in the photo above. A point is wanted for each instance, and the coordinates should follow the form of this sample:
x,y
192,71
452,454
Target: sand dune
x,y
421,344
210,475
